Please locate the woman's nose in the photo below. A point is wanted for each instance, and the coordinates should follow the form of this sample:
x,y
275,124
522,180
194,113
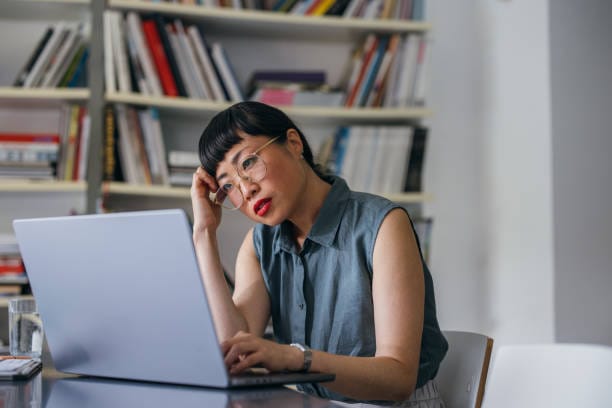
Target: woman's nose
x,y
248,187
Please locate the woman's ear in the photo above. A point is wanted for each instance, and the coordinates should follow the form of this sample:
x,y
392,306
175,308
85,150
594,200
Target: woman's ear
x,y
294,142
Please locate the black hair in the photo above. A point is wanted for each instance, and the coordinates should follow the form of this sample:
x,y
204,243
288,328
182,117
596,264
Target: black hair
x,y
251,118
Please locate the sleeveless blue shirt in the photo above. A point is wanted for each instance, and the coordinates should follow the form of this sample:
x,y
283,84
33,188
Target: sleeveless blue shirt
x,y
321,296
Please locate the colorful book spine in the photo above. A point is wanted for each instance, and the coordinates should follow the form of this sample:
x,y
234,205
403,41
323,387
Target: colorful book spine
x,y
159,57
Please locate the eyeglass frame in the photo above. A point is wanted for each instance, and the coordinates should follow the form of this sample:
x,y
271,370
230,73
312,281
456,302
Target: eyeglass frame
x,y
244,177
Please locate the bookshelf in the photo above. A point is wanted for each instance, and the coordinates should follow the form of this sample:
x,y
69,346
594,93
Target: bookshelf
x,y
220,22
36,110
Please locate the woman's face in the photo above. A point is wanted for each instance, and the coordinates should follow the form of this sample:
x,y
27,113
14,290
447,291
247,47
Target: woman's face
x,y
275,197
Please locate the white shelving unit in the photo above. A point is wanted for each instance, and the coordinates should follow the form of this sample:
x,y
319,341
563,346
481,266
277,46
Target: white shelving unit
x,y
221,21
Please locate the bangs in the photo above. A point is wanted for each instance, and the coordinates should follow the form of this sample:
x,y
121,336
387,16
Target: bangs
x,y
250,118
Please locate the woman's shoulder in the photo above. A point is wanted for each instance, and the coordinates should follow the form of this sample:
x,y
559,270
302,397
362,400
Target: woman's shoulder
x,y
363,203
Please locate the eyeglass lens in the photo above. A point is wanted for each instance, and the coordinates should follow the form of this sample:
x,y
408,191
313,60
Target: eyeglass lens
x,y
252,169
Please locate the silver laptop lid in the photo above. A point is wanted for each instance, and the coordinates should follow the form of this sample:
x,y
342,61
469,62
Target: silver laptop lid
x,y
121,296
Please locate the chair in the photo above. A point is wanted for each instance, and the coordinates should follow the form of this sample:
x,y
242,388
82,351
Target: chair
x,y
550,375
463,372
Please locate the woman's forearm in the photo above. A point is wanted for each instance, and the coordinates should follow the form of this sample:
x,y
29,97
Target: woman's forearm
x,y
228,319
367,378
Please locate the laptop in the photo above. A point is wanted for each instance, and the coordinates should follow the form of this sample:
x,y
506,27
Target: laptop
x,y
121,296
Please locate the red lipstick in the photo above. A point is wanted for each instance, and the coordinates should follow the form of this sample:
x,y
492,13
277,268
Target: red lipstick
x,y
262,206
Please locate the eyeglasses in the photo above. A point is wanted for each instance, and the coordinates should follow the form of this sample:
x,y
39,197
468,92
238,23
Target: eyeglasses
x,y
251,168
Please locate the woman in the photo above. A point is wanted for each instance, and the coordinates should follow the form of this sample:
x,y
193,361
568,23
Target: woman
x,y
340,272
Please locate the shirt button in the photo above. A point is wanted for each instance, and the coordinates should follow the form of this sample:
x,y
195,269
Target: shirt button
x,y
301,306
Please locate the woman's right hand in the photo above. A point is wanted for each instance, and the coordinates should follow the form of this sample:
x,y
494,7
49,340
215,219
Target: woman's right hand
x,y
206,214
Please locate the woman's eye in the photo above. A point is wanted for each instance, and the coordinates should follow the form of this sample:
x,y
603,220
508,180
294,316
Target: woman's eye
x,y
227,187
249,162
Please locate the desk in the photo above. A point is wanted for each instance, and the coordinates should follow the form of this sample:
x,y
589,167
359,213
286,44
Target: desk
x,y
51,389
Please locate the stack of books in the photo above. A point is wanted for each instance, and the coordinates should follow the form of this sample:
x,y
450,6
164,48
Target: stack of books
x,y
12,270
156,56
182,165
293,88
134,149
46,156
28,155
59,58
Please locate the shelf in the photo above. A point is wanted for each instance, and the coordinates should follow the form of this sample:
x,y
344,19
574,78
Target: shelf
x,y
409,198
44,10
319,114
42,186
232,21
13,280
41,97
116,188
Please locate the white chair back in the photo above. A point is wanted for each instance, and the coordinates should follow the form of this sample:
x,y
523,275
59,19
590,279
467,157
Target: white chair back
x,y
463,372
550,375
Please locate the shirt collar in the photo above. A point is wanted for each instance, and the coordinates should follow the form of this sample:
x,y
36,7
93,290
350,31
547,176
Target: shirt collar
x,y
326,225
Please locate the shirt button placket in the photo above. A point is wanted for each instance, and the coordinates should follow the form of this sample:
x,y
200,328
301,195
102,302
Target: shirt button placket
x,y
300,319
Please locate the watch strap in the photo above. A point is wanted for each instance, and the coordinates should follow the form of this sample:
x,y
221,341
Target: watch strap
x,y
307,355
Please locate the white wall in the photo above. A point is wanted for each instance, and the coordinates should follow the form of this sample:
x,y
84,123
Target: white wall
x,y
489,167
581,59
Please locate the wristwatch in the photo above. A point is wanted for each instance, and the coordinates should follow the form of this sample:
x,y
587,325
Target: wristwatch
x,y
307,355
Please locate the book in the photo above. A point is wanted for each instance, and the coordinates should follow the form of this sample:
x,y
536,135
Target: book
x,y
400,142
337,9
374,65
42,42
142,160
120,55
127,153
78,78
419,89
375,96
67,62
110,153
414,174
193,68
160,59
134,29
407,69
83,159
369,48
110,83
423,227
181,61
159,146
79,146
322,7
202,53
178,158
136,69
311,78
229,79
69,44
165,40
51,46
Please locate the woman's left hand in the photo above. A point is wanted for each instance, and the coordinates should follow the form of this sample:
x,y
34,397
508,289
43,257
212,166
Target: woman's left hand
x,y
246,350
